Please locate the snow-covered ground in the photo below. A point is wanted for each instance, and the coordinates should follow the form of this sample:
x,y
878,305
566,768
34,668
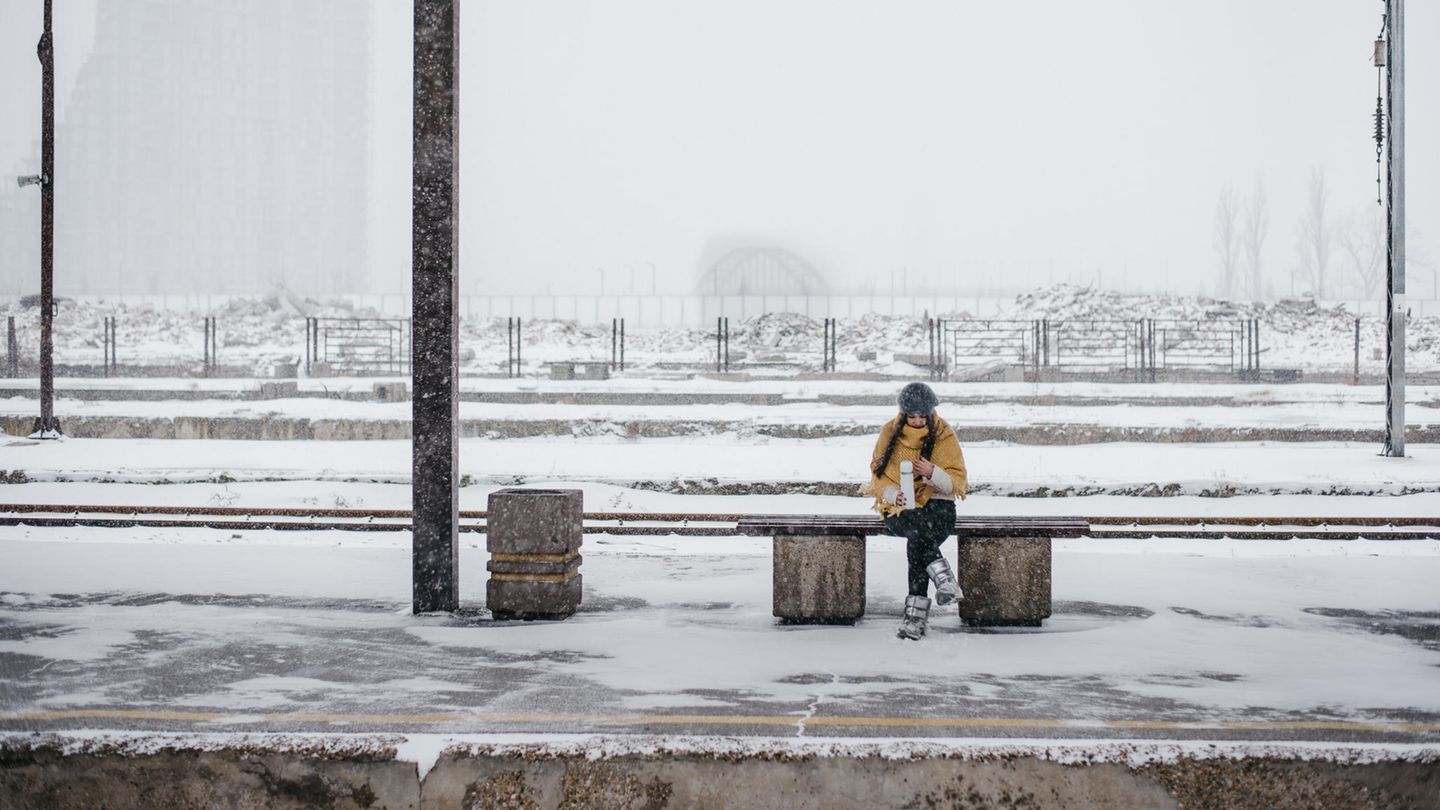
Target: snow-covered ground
x,y
230,633
258,333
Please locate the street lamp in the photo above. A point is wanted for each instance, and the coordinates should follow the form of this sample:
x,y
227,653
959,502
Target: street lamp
x,y
46,425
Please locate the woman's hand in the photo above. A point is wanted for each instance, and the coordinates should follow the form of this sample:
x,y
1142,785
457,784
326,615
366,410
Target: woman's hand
x,y
924,467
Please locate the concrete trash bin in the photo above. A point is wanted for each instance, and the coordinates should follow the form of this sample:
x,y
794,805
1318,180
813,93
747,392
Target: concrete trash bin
x,y
534,536
1006,580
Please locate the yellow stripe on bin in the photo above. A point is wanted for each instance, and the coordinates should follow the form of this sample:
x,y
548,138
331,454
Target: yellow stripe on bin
x,y
534,558
549,578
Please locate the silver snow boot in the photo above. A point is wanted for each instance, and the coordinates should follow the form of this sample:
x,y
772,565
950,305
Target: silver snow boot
x,y
947,590
917,608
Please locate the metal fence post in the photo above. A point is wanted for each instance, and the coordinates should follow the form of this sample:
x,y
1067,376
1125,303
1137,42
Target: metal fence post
x,y
512,356
12,351
622,344
1355,380
944,350
930,333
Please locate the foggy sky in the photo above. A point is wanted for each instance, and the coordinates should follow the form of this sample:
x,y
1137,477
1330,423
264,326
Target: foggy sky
x,y
960,145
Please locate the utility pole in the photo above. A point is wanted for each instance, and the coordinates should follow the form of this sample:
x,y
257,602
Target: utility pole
x,y
435,253
1395,253
47,426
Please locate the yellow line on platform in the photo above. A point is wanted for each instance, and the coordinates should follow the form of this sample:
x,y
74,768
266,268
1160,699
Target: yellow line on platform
x,y
729,720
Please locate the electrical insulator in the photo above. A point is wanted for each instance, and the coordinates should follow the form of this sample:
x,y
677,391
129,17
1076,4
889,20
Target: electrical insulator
x,y
1379,56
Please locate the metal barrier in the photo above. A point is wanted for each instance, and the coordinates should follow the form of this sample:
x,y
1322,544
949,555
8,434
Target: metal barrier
x,y
1213,345
1094,345
1144,346
975,342
359,345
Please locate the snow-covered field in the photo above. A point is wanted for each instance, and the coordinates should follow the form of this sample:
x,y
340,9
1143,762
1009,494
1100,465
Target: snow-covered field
x,y
258,333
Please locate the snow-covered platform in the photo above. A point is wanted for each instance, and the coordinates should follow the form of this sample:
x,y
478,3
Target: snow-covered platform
x,y
218,631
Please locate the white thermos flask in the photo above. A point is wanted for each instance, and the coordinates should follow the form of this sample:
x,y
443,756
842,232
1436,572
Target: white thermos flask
x,y
907,483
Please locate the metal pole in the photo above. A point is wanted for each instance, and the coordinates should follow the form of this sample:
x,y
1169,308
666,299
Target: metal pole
x,y
727,345
614,338
930,333
12,351
47,426
1395,255
718,322
1356,379
435,246
622,344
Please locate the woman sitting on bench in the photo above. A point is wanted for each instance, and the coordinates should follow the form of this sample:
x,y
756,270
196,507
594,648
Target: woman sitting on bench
x,y
919,445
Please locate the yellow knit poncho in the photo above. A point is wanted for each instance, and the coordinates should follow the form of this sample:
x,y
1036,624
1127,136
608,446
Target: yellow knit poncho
x,y
946,456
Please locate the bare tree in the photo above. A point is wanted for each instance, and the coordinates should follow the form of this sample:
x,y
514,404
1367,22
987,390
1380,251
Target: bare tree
x,y
1254,227
1315,236
1361,238
1225,234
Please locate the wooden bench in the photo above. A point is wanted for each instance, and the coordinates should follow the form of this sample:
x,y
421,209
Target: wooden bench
x,y
1003,567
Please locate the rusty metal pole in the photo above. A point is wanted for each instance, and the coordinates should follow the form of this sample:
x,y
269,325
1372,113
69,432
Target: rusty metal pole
x,y
47,426
435,550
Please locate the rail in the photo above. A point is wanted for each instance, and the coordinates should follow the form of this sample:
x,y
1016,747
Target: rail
x,y
697,524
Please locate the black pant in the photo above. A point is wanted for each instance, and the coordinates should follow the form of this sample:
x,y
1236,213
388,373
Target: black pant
x,y
924,529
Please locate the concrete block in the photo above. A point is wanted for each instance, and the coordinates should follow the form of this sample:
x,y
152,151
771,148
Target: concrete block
x,y
819,578
1006,580
284,371
562,371
390,392
318,369
595,371
526,597
279,390
534,521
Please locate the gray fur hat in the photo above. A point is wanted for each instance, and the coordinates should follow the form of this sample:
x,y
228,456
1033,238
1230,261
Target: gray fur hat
x,y
917,397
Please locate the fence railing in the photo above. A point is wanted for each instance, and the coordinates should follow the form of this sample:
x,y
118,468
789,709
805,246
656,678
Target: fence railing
x,y
358,345
381,346
1144,345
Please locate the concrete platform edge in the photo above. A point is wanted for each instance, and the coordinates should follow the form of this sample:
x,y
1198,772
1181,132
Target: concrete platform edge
x,y
438,770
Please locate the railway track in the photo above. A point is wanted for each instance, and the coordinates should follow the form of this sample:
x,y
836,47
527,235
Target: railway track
x,y
698,524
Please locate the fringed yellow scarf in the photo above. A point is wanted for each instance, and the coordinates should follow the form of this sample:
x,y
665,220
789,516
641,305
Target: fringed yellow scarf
x,y
946,456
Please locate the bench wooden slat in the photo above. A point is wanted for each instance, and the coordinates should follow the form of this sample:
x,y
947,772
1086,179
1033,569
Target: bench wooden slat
x,y
965,525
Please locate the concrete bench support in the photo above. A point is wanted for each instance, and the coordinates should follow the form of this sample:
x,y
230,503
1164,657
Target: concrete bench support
x,y
534,536
819,578
1006,580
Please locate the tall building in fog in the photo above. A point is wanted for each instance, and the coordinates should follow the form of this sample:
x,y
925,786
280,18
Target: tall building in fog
x,y
217,146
